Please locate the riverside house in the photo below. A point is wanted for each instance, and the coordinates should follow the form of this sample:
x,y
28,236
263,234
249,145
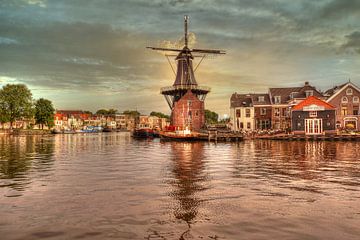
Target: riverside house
x,y
313,116
346,99
283,99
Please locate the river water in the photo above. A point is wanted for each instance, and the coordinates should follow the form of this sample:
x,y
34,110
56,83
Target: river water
x,y
110,186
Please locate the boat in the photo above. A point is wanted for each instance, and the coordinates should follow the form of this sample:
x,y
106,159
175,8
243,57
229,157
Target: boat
x,y
179,135
90,129
143,133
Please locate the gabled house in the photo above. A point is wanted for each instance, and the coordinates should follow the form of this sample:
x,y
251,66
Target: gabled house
x,y
313,116
242,112
282,99
262,110
346,99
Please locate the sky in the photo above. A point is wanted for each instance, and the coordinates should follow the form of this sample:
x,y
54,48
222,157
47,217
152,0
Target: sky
x,y
90,54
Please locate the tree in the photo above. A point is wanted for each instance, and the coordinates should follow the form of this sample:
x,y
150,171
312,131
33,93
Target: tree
x,y
88,112
44,112
102,112
211,117
112,111
159,114
132,113
15,102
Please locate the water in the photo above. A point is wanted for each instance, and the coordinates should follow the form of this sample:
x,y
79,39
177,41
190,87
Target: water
x,y
109,186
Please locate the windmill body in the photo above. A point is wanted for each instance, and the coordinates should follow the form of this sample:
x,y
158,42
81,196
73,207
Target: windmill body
x,y
185,97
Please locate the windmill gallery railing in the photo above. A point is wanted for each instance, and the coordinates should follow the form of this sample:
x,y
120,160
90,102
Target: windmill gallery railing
x,y
184,87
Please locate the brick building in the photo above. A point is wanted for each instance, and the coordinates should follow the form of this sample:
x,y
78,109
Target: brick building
x,y
188,111
346,99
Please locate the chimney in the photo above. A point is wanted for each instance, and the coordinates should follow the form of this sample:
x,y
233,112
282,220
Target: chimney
x,y
307,83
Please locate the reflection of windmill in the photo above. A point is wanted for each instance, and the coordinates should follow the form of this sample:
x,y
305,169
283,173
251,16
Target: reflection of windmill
x,y
185,78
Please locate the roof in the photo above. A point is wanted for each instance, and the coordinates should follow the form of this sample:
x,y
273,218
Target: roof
x,y
255,99
312,100
297,92
337,89
240,100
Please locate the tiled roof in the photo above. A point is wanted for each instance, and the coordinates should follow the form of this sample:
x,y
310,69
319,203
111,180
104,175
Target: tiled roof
x,y
313,101
255,99
298,92
240,100
332,91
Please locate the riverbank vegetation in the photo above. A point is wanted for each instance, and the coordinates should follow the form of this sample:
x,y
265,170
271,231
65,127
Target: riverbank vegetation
x,y
16,104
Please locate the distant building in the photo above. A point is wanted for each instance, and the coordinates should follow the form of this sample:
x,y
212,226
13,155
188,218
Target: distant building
x,y
313,116
346,100
282,99
72,119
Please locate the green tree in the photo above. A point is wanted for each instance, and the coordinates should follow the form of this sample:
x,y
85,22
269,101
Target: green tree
x,y
102,112
112,111
44,112
88,112
15,102
159,114
211,117
133,113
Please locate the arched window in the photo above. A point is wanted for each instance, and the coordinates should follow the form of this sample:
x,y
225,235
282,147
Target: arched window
x,y
344,100
349,91
355,99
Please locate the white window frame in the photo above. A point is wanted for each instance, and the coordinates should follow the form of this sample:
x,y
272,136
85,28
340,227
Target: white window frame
x,y
349,91
277,99
261,99
344,99
313,114
355,99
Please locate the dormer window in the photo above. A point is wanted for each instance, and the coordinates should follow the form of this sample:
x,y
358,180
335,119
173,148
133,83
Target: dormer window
x,y
349,91
356,99
261,99
292,95
309,93
344,100
277,99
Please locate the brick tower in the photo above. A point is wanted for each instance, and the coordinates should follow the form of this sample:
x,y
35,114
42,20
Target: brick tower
x,y
185,97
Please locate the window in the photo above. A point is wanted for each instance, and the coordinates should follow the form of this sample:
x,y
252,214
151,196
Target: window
x,y
262,111
277,112
277,99
349,91
355,99
309,93
261,99
196,113
313,114
189,103
238,113
344,100
248,125
356,110
292,95
283,112
247,113
241,125
344,111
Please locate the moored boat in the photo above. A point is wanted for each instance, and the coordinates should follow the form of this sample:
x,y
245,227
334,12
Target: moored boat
x,y
143,133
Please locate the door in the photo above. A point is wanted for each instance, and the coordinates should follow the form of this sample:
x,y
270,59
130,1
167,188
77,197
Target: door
x,y
313,126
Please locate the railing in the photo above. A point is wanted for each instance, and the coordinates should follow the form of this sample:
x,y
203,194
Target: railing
x,y
182,87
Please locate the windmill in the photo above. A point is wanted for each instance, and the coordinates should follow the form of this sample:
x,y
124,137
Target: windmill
x,y
184,74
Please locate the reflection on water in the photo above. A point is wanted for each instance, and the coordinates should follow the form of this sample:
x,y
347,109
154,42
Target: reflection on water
x,y
19,156
188,178
110,186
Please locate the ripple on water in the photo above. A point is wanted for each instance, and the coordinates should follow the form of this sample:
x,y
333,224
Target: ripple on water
x,y
106,186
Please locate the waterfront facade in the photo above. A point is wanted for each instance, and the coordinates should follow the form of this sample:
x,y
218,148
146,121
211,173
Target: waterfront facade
x,y
242,112
313,116
346,99
283,99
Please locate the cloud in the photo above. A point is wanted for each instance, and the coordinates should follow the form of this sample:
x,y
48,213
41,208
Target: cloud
x,y
7,41
352,42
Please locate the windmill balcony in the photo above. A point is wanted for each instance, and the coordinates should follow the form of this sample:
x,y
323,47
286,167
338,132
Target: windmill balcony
x,y
166,90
